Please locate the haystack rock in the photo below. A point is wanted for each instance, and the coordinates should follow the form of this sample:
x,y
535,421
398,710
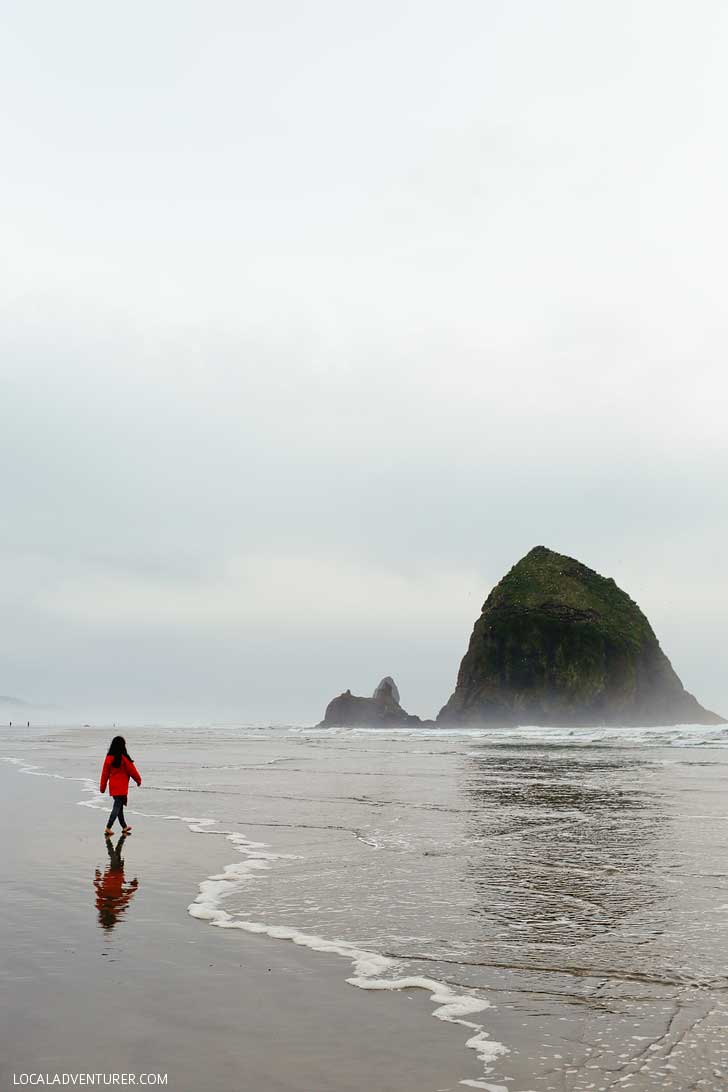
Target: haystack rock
x,y
558,644
383,708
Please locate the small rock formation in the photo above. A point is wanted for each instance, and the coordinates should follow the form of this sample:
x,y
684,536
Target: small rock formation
x,y
387,691
556,643
383,708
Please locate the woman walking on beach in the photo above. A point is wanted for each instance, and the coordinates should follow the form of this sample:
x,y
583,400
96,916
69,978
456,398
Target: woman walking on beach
x,y
117,769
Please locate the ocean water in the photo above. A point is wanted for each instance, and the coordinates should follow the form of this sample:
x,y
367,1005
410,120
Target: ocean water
x,y
563,894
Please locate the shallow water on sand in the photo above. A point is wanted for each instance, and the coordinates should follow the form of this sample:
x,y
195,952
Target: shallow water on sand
x,y
575,883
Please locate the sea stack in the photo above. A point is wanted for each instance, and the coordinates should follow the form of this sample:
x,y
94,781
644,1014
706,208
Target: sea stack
x,y
383,708
558,644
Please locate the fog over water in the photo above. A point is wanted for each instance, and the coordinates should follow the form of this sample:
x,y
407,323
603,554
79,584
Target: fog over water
x,y
316,318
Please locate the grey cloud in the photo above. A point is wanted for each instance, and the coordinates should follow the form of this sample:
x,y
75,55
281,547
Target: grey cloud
x,y
384,296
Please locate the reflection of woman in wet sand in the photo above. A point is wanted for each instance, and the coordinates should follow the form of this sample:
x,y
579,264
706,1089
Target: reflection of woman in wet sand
x,y
112,894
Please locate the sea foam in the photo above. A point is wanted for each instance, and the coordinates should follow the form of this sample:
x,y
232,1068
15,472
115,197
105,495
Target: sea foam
x,y
372,971
370,968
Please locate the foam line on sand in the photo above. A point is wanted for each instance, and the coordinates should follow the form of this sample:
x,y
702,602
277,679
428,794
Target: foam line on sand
x,y
372,971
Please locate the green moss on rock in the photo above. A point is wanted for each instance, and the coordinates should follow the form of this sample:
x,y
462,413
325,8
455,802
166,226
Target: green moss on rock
x,y
556,643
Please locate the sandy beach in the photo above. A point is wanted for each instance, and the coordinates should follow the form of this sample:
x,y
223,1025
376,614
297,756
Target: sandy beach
x,y
99,980
560,898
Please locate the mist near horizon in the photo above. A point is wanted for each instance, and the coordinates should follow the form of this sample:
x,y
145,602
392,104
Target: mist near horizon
x,y
316,320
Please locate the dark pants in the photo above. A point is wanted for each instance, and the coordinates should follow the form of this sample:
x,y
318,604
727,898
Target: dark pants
x,y
117,812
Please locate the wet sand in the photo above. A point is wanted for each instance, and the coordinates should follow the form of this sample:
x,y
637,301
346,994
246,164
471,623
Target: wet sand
x,y
104,971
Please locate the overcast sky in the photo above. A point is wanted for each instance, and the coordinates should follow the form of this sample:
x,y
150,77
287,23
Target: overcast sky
x,y
317,316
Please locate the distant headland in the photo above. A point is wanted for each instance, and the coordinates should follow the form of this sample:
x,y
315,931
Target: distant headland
x,y
555,644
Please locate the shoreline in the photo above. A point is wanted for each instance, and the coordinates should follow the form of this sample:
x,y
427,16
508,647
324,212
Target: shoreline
x,y
264,1015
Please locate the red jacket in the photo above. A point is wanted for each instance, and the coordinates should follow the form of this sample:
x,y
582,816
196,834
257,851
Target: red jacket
x,y
118,776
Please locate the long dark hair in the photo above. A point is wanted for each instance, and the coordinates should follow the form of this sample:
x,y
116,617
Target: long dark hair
x,y
117,748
